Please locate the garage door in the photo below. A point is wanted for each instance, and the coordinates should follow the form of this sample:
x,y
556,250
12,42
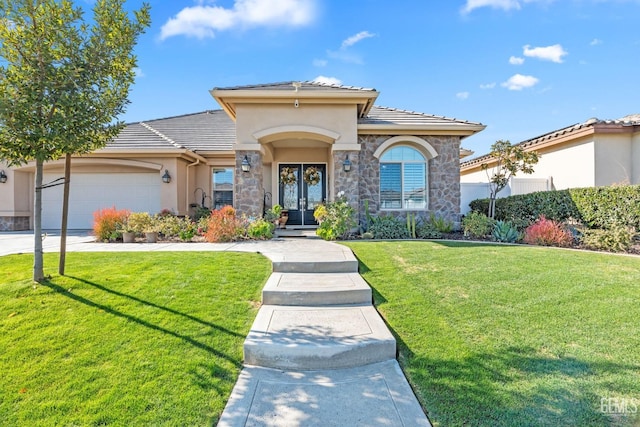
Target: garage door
x,y
138,192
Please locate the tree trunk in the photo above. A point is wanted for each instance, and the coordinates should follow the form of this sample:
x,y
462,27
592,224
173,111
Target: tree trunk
x,y
65,214
38,263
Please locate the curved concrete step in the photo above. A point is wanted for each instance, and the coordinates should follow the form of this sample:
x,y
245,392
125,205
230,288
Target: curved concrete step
x,y
310,338
316,289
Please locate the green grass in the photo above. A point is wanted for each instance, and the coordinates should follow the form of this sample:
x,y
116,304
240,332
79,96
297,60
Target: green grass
x,y
125,339
493,335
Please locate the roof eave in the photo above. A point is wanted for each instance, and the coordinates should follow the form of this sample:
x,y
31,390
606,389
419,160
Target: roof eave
x,y
229,98
463,130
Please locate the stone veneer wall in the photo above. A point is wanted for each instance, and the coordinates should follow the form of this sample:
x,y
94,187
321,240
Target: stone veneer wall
x,y
443,180
249,188
347,181
14,223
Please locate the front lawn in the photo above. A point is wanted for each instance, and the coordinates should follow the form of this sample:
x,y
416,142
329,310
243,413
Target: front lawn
x,y
493,335
126,339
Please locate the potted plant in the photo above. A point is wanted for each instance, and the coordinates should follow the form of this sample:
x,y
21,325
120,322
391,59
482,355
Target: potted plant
x,y
152,229
284,217
128,233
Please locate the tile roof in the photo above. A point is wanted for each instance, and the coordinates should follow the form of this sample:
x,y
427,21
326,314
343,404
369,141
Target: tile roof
x,y
630,120
306,85
211,130
393,116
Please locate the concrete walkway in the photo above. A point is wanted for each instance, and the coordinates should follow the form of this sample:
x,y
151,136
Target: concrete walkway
x,y
318,353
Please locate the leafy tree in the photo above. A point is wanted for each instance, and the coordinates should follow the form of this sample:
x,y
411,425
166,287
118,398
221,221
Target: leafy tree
x,y
63,82
507,161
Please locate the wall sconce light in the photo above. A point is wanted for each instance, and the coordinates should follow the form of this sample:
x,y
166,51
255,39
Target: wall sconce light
x,y
346,165
3,177
166,178
246,166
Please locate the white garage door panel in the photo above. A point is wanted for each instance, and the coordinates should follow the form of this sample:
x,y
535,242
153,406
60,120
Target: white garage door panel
x,y
137,192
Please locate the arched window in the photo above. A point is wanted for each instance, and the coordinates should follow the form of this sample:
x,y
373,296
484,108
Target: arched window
x,y
403,179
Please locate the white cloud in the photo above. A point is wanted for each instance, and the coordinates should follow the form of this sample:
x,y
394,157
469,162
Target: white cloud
x,y
320,62
488,85
519,82
552,53
595,42
496,4
328,80
462,95
515,60
350,41
204,21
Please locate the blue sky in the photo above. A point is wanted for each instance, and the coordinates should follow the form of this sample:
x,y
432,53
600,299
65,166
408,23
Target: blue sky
x,y
521,67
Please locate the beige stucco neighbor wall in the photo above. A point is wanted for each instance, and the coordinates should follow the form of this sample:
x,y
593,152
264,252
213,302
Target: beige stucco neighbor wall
x,y
443,180
635,158
613,159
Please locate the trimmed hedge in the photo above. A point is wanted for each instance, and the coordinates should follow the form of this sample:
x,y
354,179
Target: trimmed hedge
x,y
596,207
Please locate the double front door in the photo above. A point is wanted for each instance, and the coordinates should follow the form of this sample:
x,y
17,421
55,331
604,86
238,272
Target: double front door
x,y
302,187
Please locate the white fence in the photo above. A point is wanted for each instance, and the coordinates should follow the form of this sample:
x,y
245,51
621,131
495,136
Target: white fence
x,y
470,191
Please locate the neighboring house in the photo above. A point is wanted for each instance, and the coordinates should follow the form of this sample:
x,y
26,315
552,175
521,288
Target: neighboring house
x,y
590,154
397,160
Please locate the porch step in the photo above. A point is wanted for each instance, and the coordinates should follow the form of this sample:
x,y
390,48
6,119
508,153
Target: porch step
x,y
311,338
311,289
290,264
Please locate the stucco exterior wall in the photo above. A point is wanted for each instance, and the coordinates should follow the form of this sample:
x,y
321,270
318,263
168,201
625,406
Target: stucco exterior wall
x,y
254,118
613,159
635,158
571,166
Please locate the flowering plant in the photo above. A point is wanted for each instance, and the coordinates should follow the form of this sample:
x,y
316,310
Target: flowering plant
x,y
335,219
288,176
311,175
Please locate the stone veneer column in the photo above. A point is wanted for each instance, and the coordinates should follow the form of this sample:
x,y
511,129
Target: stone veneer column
x,y
249,189
14,223
443,180
347,181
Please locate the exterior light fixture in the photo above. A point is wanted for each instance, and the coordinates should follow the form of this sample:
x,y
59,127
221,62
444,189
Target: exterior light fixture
x,y
246,166
166,178
3,177
346,165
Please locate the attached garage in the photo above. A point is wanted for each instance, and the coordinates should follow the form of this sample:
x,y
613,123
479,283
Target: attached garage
x,y
89,192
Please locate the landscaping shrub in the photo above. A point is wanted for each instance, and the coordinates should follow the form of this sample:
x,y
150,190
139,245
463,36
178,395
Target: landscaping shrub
x,y
477,225
224,226
171,226
335,219
608,207
614,239
547,232
139,222
426,230
107,222
261,229
597,207
388,227
441,224
504,231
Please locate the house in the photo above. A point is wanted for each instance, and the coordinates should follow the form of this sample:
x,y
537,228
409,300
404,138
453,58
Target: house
x,y
330,138
590,154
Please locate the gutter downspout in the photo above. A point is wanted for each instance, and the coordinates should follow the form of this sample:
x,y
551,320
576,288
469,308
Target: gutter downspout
x,y
197,162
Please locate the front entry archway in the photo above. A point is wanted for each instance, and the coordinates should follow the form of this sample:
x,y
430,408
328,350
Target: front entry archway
x,y
301,197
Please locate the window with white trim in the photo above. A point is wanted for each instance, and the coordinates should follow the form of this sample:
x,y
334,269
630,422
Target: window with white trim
x,y
222,188
403,179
